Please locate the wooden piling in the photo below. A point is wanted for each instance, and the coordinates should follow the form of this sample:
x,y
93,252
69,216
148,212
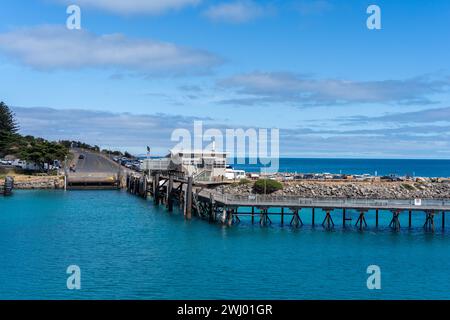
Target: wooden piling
x,y
328,219
395,222
296,220
376,218
230,213
410,219
282,216
188,200
343,217
313,217
212,213
253,215
156,190
8,186
145,191
443,220
361,220
429,221
170,193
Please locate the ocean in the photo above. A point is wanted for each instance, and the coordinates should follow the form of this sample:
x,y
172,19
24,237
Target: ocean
x,y
128,249
380,167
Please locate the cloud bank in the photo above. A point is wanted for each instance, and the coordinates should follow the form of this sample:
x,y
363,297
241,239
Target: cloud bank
x,y
55,47
133,132
133,7
122,131
236,12
259,88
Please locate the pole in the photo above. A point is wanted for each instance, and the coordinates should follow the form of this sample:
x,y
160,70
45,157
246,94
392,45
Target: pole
x,y
188,200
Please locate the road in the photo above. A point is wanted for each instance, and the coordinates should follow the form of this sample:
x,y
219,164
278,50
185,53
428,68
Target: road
x,y
94,163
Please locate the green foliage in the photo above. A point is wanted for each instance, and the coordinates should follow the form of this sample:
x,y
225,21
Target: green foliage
x,y
408,187
244,181
128,155
267,186
7,122
111,152
42,151
27,148
79,144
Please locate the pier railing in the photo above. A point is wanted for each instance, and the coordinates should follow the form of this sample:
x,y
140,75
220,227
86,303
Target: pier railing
x,y
294,201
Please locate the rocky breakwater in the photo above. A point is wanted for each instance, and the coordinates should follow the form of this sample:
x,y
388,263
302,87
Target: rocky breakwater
x,y
38,182
420,189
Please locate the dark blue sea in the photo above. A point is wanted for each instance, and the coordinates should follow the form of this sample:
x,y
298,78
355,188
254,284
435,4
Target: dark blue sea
x,y
380,167
128,249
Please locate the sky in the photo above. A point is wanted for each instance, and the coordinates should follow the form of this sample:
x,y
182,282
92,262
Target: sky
x,y
139,69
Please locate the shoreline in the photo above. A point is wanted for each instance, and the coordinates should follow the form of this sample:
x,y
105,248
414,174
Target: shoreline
x,y
26,182
424,188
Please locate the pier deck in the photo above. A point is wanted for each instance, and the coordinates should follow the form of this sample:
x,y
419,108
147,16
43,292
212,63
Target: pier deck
x,y
330,203
197,199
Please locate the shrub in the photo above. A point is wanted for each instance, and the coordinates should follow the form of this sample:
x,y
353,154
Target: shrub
x,y
267,185
408,187
244,181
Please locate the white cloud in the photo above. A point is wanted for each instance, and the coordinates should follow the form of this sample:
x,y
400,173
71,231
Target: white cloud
x,y
124,131
132,7
309,7
258,87
236,12
55,47
133,132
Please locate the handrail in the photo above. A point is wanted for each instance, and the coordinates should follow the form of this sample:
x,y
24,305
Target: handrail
x,y
335,202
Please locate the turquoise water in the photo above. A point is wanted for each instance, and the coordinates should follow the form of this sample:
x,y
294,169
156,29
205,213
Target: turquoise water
x,y
128,249
411,167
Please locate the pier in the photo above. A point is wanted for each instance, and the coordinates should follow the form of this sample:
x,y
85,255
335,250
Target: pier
x,y
197,199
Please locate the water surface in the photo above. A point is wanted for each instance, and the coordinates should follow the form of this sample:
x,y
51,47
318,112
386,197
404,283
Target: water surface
x,y
128,249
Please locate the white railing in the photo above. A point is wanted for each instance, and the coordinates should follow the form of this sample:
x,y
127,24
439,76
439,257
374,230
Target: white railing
x,y
325,202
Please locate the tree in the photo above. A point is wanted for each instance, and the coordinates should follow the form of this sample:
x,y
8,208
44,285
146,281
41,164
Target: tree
x,y
267,186
7,122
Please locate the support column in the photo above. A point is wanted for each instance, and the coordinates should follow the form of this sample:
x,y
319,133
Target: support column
x,y
212,213
395,222
145,191
429,221
156,189
253,215
282,216
328,220
343,217
296,220
361,220
313,217
188,200
170,194
443,220
376,218
264,218
410,219
230,214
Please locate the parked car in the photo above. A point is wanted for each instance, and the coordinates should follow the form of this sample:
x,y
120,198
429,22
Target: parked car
x,y
5,162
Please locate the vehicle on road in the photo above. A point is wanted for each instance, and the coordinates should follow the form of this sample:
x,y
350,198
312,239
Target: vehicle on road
x,y
81,157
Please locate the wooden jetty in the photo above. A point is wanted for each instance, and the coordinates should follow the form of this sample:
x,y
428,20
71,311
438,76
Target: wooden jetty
x,y
198,199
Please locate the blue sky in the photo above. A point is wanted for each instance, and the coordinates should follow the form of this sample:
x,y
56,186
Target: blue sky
x,y
138,69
